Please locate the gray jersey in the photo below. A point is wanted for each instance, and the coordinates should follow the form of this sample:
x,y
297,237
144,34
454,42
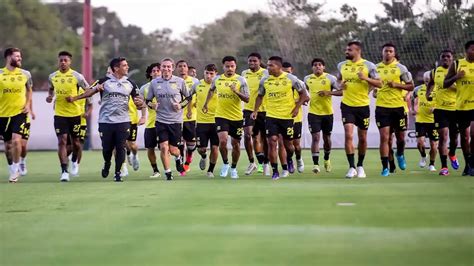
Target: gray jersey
x,y
114,99
167,93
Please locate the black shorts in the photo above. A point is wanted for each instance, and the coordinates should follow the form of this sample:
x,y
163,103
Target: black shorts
x,y
317,123
169,132
465,118
426,130
297,127
189,131
258,125
14,124
206,133
234,128
68,125
25,132
444,118
391,117
359,116
151,140
275,126
83,133
133,132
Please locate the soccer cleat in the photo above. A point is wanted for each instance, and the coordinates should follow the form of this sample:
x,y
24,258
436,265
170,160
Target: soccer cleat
x,y
202,163
266,169
300,165
225,170
13,176
260,168
250,169
210,174
105,170
327,165
74,169
118,178
401,162
169,176
361,172
135,163
275,176
285,173
129,159
233,173
23,170
351,173
64,177
291,166
124,170
385,172
316,169
155,175
444,172
432,168
182,173
186,168
454,162
466,171
422,162
471,172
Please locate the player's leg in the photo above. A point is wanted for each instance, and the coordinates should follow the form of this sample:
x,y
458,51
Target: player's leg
x,y
314,125
443,131
202,137
249,124
420,143
282,154
464,124
75,134
453,140
107,136
326,127
150,144
236,132
122,132
25,134
297,127
189,136
348,120
471,142
399,122
174,135
362,122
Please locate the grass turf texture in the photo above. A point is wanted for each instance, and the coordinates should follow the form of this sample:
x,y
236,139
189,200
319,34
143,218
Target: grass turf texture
x,y
413,217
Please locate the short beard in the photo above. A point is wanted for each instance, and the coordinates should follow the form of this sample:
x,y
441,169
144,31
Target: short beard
x,y
15,63
350,57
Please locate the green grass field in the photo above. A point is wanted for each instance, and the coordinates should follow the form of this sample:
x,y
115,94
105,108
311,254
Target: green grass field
x,y
413,217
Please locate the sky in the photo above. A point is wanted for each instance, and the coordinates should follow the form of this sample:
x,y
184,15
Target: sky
x,y
180,15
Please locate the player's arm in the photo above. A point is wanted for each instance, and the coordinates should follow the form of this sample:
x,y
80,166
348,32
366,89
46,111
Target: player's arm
x,y
28,94
89,108
373,78
452,76
244,90
259,99
50,96
189,107
32,114
137,98
96,87
414,101
149,97
335,88
430,87
303,96
407,84
211,92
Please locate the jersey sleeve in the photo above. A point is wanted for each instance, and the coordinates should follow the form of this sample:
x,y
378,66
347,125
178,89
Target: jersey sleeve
x,y
135,90
415,92
29,79
50,81
261,87
405,74
339,72
183,89
213,83
151,91
334,83
194,88
244,88
296,84
81,81
372,70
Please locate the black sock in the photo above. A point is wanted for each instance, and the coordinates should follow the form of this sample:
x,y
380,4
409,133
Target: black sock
x,y
275,167
360,160
432,162
444,161
233,165
467,158
452,151
289,158
74,157
393,167
10,161
260,157
252,160
181,149
316,158
168,174
211,167
284,166
384,162
226,161
298,155
204,155
350,159
423,153
64,167
326,155
266,160
128,152
155,168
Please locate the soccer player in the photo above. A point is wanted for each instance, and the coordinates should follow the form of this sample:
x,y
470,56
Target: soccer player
x,y
231,90
206,130
189,116
114,119
445,112
462,72
168,90
281,107
192,72
254,130
63,83
424,124
151,139
390,110
356,75
321,86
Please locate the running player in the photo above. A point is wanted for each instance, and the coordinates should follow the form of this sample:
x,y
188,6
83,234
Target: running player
x,y
206,130
445,112
390,110
231,91
462,72
321,86
254,130
168,90
151,139
281,107
424,124
356,76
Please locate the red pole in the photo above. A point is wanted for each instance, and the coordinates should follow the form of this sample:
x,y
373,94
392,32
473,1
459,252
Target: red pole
x,y
87,41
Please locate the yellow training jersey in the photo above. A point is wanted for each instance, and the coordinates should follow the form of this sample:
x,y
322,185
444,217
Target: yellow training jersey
x,y
405,101
356,93
190,82
387,96
84,103
253,81
279,94
425,113
132,111
229,105
201,90
320,105
445,98
64,85
13,85
465,86
151,118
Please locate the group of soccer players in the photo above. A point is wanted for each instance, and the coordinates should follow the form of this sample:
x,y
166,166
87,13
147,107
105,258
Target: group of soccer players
x,y
182,114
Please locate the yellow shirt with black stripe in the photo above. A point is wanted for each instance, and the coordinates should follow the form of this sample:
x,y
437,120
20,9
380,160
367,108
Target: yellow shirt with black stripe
x,y
320,105
465,86
151,118
229,104
424,114
190,82
64,85
356,93
387,96
13,86
445,98
201,90
253,81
